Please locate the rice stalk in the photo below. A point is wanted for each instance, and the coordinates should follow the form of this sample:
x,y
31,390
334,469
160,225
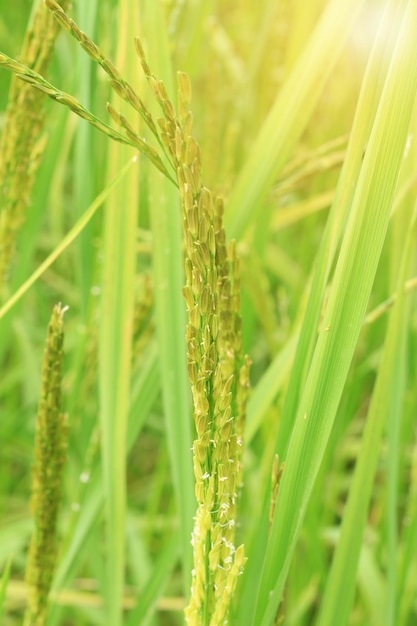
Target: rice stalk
x,y
218,374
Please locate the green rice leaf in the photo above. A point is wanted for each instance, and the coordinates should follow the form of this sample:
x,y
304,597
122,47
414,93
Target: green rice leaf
x,y
354,275
385,403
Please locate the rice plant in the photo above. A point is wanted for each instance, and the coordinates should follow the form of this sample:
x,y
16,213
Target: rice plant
x,y
223,198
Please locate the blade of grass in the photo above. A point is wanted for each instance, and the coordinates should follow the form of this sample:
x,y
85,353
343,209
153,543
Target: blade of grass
x,y
368,100
338,594
394,404
115,332
371,583
407,579
364,117
400,422
170,310
84,161
3,584
350,291
156,583
170,317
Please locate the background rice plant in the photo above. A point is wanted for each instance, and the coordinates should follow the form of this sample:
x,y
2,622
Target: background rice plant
x,y
305,115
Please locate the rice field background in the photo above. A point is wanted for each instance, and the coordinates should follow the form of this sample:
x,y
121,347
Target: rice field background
x,y
207,313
